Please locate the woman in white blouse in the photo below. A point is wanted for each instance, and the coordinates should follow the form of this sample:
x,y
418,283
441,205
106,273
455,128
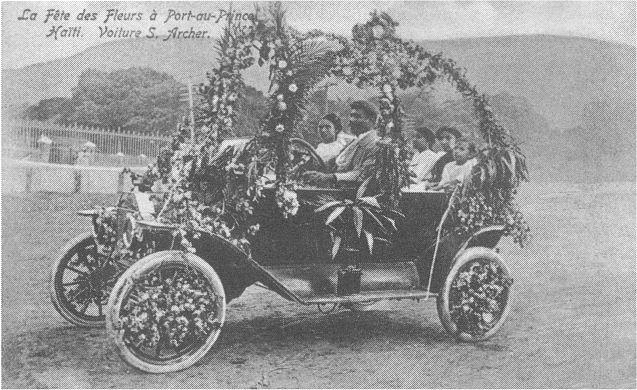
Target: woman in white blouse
x,y
334,139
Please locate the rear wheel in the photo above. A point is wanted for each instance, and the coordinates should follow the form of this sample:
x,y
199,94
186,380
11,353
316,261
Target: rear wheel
x,y
166,312
81,280
475,299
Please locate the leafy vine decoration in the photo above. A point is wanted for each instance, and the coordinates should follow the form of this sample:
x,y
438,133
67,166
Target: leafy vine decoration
x,y
215,190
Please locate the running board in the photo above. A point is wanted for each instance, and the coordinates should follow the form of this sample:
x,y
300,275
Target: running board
x,y
317,283
368,296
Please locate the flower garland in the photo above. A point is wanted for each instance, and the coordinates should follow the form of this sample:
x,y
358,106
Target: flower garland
x,y
173,312
375,57
477,298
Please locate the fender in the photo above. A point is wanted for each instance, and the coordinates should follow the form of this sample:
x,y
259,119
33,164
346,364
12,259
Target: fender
x,y
487,237
236,269
452,247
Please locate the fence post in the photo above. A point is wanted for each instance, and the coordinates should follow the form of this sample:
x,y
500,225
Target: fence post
x,y
120,181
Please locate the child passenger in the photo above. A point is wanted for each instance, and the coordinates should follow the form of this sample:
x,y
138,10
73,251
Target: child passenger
x,y
458,170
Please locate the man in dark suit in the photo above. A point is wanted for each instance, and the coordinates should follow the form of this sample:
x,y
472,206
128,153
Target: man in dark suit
x,y
357,160
447,137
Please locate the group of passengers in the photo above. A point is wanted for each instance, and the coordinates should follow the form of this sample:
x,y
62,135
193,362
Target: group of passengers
x,y
349,155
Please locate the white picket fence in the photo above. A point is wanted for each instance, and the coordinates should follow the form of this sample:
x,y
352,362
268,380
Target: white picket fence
x,y
54,143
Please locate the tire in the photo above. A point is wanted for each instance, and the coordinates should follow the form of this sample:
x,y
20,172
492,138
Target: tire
x,y
164,273
462,313
80,282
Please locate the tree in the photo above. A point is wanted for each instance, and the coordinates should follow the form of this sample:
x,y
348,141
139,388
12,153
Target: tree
x,y
49,109
137,99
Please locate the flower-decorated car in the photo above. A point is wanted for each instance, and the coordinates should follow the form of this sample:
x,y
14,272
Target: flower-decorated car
x,y
234,218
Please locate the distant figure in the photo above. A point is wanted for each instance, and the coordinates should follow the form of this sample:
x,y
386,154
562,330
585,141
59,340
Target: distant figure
x,y
334,139
424,159
458,170
447,137
83,157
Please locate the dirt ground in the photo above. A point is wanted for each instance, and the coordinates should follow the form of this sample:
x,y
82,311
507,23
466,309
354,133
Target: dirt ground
x,y
572,323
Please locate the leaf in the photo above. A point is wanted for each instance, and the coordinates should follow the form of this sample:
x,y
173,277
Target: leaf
x,y
370,241
370,200
358,219
375,218
327,206
337,211
363,188
336,246
391,221
512,158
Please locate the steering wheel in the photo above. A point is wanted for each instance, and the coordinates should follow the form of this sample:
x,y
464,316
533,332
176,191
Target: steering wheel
x,y
299,148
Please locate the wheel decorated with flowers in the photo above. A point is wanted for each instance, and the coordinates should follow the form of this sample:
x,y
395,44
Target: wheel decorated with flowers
x,y
474,302
166,312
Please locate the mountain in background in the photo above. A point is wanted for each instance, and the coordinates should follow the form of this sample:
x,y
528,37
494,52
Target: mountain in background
x,y
570,101
559,76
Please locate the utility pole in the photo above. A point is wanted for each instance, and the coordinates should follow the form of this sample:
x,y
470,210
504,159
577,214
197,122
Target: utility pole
x,y
326,86
192,114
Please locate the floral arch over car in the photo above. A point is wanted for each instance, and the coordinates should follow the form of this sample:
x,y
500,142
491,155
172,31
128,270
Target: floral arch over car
x,y
216,191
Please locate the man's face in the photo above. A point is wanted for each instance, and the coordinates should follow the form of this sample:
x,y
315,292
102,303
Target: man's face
x,y
461,152
447,141
359,123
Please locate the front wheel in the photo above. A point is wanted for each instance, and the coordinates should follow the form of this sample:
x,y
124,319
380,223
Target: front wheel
x,y
166,311
475,299
81,280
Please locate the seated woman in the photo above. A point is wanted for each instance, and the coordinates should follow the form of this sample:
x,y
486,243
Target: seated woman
x,y
334,139
458,170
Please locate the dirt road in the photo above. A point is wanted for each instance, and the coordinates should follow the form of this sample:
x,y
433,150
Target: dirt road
x,y
572,323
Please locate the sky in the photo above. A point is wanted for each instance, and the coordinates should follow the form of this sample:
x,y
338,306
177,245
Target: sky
x,y
24,42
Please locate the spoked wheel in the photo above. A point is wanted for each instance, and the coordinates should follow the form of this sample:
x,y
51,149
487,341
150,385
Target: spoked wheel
x,y
475,299
81,281
166,311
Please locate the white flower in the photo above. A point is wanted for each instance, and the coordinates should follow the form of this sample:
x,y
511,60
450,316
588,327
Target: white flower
x,y
279,128
347,71
279,98
378,31
289,73
387,89
282,106
256,44
287,201
283,64
293,88
278,42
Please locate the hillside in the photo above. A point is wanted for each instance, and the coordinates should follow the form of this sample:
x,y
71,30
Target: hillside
x,y
558,76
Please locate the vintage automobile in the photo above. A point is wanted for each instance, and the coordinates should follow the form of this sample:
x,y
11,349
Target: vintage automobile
x,y
145,269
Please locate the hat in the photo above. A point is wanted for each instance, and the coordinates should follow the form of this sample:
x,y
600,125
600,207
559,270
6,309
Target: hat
x,y
338,126
451,130
368,108
428,134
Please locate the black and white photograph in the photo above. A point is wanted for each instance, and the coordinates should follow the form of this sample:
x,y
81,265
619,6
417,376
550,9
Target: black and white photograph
x,y
314,194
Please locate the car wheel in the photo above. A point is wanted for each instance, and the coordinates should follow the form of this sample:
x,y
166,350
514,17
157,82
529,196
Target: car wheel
x,y
166,312
474,301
